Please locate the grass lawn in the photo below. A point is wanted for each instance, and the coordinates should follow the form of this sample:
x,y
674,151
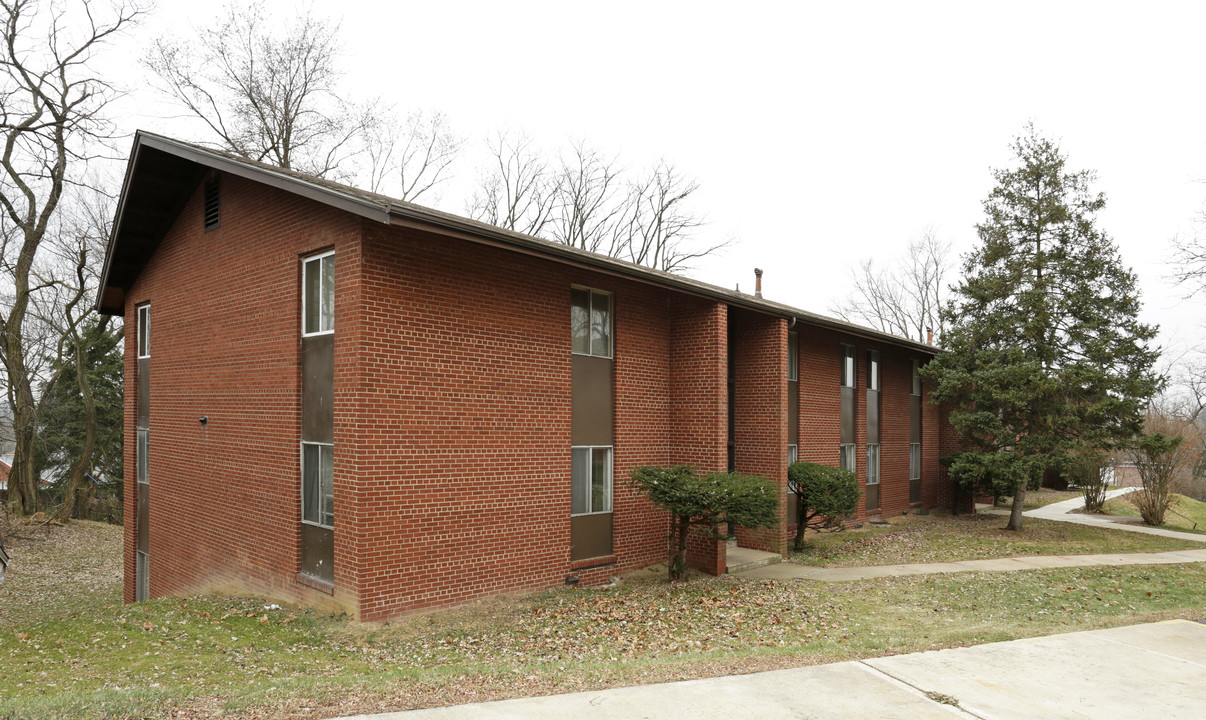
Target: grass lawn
x,y
83,655
1187,511
940,538
1040,498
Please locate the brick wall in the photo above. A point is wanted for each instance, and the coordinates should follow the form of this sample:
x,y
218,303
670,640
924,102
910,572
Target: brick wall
x,y
820,408
452,409
224,343
759,350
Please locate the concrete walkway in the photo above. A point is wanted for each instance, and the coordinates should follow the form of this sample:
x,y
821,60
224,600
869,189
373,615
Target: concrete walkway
x,y
1065,512
1154,670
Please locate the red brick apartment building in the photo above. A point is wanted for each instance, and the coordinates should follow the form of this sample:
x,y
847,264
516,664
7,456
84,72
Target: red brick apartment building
x,y
340,399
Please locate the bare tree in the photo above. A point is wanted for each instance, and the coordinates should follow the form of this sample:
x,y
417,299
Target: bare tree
x,y
267,91
660,225
410,160
589,201
51,118
1189,262
905,298
71,279
520,191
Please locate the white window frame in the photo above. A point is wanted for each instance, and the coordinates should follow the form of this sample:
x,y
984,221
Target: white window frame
x,y
914,461
873,464
144,331
611,322
793,356
848,456
915,380
849,366
610,502
873,370
321,496
304,261
793,453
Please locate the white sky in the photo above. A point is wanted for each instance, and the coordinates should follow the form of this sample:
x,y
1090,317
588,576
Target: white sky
x,y
820,133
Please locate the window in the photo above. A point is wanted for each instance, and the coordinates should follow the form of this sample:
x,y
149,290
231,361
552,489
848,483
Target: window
x,y
590,477
590,318
142,450
213,214
793,357
793,454
318,484
916,386
144,331
142,570
847,459
915,461
873,464
847,366
318,294
873,369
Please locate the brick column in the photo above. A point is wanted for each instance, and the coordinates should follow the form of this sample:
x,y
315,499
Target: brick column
x,y
699,403
759,352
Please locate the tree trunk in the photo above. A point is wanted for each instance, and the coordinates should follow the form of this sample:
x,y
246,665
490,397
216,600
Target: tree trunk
x,y
1015,512
22,477
678,560
801,526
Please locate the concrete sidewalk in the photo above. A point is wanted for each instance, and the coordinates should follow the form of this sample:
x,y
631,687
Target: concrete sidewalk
x,y
1154,670
1065,511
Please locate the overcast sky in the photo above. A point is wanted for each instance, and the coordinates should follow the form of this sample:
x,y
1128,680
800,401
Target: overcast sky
x,y
820,133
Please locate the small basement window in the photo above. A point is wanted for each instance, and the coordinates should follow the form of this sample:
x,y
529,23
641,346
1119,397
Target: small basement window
x,y
213,207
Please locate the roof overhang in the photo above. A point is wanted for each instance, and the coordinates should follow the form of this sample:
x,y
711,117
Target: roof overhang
x,y
163,173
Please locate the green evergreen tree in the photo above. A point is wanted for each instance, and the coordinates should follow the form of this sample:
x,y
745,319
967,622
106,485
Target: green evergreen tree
x,y
63,419
1047,357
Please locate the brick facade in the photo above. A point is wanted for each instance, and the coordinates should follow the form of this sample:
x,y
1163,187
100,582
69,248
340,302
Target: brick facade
x,y
452,409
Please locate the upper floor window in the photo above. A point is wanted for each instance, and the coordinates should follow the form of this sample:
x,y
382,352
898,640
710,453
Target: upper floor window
x,y
318,294
873,369
793,356
144,331
847,366
916,385
590,320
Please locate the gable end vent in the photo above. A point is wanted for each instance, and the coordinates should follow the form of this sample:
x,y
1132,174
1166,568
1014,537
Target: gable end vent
x,y
213,209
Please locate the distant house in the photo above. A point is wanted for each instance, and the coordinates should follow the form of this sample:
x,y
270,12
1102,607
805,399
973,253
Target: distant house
x,y
6,466
334,397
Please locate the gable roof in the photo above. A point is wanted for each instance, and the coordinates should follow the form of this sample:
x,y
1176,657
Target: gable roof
x,y
162,174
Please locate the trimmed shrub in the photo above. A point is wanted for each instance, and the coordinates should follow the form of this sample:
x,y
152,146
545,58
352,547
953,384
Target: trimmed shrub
x,y
708,502
826,497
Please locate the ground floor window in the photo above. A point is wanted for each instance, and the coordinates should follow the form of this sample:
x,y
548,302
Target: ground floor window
x,y
141,579
318,484
915,461
847,457
873,464
590,478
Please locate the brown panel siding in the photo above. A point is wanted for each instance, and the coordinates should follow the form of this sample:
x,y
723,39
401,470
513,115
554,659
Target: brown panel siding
x,y
593,400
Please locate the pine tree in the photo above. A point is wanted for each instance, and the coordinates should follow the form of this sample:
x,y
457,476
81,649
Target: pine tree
x,y
1047,357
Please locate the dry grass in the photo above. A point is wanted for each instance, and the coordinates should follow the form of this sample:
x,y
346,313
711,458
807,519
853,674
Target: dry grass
x,y
59,569
943,538
232,657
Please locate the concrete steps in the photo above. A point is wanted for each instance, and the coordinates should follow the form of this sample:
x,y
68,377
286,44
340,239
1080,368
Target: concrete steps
x,y
741,559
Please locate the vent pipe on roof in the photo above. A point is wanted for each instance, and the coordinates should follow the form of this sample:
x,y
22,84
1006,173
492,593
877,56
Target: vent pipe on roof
x,y
758,282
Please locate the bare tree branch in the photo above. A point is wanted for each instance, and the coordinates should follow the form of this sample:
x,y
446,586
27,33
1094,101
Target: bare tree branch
x,y
906,299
